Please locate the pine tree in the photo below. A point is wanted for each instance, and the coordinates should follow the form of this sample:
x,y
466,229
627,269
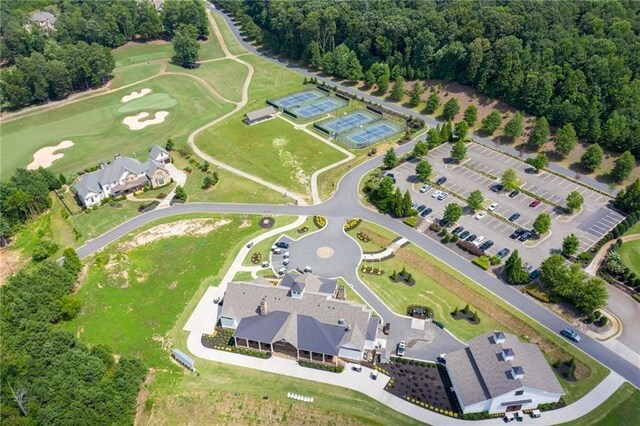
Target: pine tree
x,y
513,269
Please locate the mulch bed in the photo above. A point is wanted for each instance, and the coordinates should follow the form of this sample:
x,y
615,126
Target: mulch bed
x,y
266,222
302,229
428,384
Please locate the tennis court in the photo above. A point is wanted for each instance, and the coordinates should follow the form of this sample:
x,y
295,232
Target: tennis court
x,y
347,122
315,108
297,99
361,138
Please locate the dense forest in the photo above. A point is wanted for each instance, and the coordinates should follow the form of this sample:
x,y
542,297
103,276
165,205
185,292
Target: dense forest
x,y
570,61
42,64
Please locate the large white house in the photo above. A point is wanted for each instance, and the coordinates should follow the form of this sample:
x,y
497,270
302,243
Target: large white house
x,y
498,373
123,175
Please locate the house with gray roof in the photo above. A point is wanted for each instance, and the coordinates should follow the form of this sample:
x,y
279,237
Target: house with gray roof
x,y
123,175
498,373
259,115
45,20
300,317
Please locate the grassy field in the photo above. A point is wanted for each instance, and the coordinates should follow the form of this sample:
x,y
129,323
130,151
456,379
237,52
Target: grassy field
x,y
105,217
635,229
619,409
272,150
133,53
630,254
96,128
131,74
226,76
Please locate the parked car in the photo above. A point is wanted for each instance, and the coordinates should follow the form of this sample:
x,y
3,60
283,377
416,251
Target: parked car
x,y
525,236
530,170
527,266
534,274
374,375
481,214
486,245
444,223
421,207
281,271
514,217
497,187
282,244
307,269
443,195
414,205
441,180
514,193
503,253
286,255
535,414
401,348
493,206
357,368
464,235
391,175
519,416
516,234
386,328
426,212
285,262
457,230
570,334
250,244
436,194
471,237
425,188
265,264
276,250
478,240
534,203
508,417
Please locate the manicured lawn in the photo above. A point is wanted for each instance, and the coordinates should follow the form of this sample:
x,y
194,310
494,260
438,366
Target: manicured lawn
x,y
133,53
635,229
379,238
230,40
243,276
272,150
210,49
128,75
619,409
95,126
630,254
105,217
226,76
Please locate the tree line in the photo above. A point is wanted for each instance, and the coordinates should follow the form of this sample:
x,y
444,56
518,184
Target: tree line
x,y
43,65
570,62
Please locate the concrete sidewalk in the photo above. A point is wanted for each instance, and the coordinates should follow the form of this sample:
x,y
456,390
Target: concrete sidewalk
x,y
386,252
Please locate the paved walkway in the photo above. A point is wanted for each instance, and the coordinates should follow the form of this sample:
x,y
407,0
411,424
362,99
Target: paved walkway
x,y
386,252
599,257
180,178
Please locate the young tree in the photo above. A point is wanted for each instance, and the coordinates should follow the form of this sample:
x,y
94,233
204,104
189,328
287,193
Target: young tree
x,y
515,127
423,170
570,245
415,93
446,132
396,204
513,270
510,180
459,151
592,157
491,122
574,201
471,115
623,166
180,193
452,212
420,149
354,68
169,145
433,102
186,47
434,138
390,159
475,200
566,140
407,207
461,129
540,133
542,224
628,200
450,109
540,161
369,78
383,82
398,89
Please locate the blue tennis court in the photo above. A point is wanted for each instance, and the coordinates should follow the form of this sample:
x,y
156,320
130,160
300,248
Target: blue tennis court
x,y
372,134
316,108
297,99
347,122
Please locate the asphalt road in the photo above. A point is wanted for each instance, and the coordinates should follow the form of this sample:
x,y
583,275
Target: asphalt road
x,y
346,203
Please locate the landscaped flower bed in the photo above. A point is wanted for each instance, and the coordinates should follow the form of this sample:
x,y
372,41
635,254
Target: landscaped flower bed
x,y
320,221
466,314
403,277
351,223
324,367
371,270
256,258
363,237
302,229
223,341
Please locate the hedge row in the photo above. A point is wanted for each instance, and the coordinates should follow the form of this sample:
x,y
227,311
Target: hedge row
x,y
616,232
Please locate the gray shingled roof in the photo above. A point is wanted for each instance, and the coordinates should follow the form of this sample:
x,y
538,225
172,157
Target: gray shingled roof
x,y
263,328
42,16
315,336
309,282
372,328
480,371
157,151
260,113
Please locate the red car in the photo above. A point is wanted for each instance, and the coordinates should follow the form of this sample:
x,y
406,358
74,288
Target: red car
x,y
534,203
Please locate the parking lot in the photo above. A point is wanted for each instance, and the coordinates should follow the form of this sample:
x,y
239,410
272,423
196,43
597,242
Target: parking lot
x,y
589,225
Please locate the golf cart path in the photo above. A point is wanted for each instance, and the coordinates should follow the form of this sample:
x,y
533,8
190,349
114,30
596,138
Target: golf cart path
x,y
599,257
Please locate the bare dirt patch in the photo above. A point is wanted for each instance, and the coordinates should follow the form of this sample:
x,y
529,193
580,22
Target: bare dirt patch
x,y
44,157
11,261
134,121
187,227
143,395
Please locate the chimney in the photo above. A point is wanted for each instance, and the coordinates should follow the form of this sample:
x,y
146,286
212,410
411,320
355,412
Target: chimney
x,y
263,307
340,293
517,373
508,354
117,155
499,337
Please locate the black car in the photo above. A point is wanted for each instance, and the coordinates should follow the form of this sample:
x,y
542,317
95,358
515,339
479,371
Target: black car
x,y
464,235
457,230
441,180
471,237
282,244
426,212
525,236
514,193
514,217
517,233
421,207
503,253
444,223
534,274
497,187
487,245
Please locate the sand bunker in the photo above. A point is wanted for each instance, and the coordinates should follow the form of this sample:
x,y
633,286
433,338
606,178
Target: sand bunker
x,y
135,95
175,229
45,157
134,123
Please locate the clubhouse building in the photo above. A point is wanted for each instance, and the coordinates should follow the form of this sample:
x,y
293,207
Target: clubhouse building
x,y
498,373
122,176
304,317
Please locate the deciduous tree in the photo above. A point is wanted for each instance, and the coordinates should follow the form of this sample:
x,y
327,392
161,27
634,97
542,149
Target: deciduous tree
x,y
510,180
452,212
542,224
450,109
471,115
566,140
515,127
475,200
623,166
423,170
574,201
390,159
539,133
433,102
592,157
570,245
491,122
459,151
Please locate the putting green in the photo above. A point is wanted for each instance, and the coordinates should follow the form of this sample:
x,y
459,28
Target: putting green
x,y
150,102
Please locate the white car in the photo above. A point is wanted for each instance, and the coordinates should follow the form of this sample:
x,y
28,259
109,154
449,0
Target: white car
x,y
493,206
425,188
443,195
265,264
481,214
281,271
401,348
307,269
436,194
285,262
277,250
479,241
286,255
